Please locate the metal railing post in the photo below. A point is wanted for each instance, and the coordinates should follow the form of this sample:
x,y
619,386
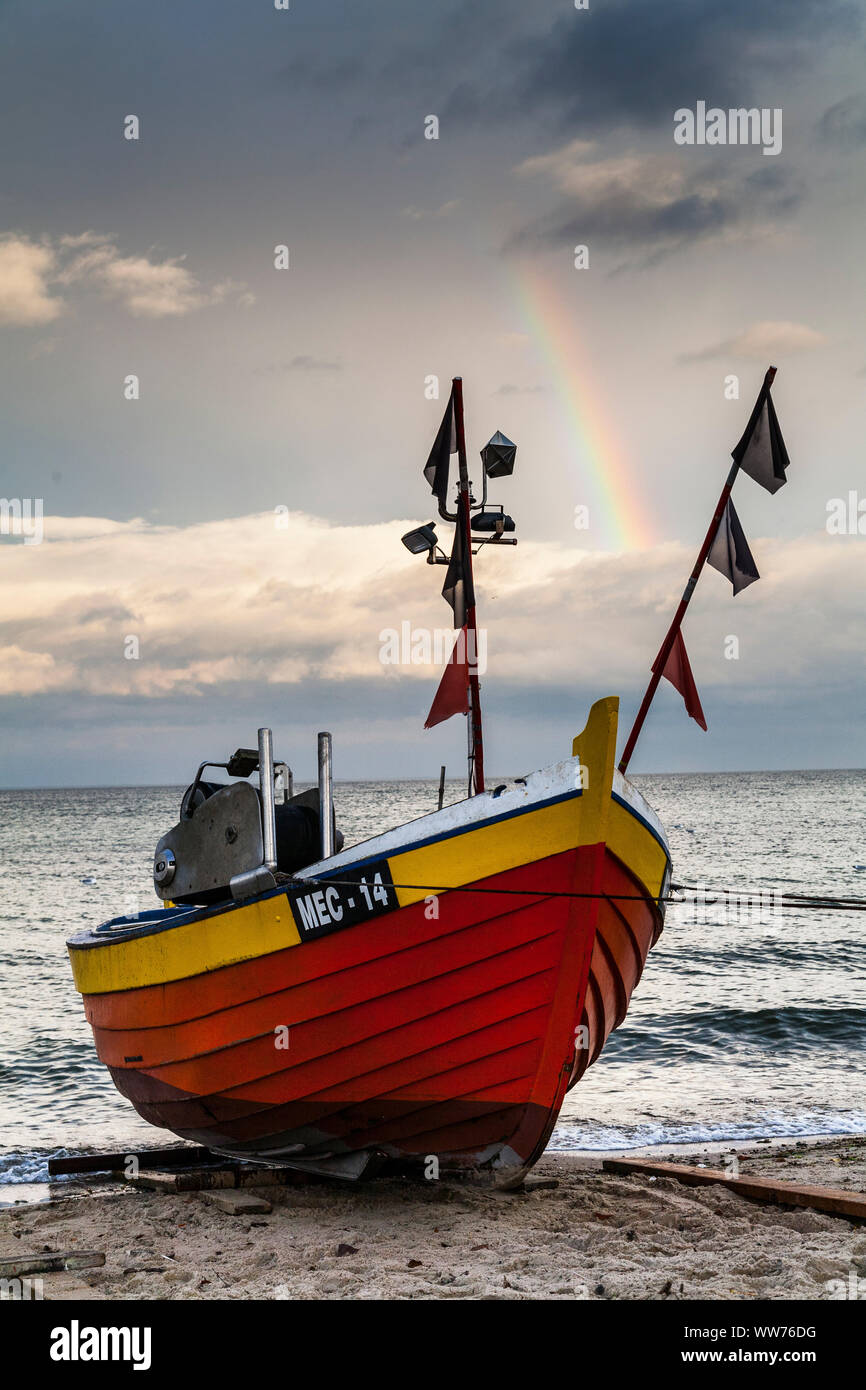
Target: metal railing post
x,y
266,789
326,796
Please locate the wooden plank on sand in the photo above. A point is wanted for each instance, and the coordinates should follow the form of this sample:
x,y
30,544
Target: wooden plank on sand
x,y
45,1263
206,1179
834,1200
191,1180
238,1203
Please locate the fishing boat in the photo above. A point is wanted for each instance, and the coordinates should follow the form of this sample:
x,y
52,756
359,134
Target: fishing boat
x,y
428,995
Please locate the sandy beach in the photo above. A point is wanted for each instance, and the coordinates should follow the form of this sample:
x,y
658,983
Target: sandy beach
x,y
575,1232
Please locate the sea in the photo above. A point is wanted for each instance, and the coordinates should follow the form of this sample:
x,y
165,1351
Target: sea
x,y
749,1022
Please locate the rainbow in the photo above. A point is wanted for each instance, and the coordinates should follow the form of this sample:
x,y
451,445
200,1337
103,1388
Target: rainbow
x,y
595,455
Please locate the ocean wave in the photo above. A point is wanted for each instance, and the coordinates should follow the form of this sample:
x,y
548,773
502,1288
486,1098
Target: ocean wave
x,y
815,955
695,1034
29,1167
594,1136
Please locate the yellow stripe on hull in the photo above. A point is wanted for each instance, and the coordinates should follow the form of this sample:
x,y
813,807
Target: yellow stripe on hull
x,y
259,928
636,847
243,933
489,850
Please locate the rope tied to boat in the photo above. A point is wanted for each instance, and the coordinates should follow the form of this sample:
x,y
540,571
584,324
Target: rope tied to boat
x,y
698,893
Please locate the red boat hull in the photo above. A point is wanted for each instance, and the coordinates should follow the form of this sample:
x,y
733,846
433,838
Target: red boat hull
x,y
458,1043
448,1024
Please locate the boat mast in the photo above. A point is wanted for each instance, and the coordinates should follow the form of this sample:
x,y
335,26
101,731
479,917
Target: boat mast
x,y
671,635
475,731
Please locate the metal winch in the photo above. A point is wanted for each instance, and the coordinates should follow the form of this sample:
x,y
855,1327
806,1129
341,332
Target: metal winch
x,y
233,840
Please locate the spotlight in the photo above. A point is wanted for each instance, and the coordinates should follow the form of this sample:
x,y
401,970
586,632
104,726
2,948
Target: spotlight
x,y
498,456
421,539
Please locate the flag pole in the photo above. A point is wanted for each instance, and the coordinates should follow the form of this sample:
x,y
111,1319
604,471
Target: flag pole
x,y
671,635
476,737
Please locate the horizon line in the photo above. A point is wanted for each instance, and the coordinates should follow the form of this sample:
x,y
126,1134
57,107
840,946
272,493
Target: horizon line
x,y
363,781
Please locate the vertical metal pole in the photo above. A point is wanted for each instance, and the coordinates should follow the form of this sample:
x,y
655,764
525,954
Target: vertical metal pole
x,y
284,772
441,785
326,796
266,790
470,738
476,736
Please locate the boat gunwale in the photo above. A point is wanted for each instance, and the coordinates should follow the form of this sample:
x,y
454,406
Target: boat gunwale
x,y
90,937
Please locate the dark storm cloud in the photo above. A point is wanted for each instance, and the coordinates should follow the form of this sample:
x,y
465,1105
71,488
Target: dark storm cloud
x,y
410,51
844,124
626,63
634,62
623,63
661,210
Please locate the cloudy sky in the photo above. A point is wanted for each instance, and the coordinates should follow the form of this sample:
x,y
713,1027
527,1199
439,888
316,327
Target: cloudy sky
x,y
241,518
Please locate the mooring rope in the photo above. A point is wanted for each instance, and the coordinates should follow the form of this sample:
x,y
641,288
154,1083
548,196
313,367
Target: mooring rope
x,y
769,895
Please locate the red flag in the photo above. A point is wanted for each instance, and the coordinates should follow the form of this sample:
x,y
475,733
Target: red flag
x,y
679,673
452,697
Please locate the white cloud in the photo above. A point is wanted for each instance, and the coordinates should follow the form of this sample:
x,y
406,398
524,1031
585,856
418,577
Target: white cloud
x,y
26,268
24,672
146,288
237,602
32,272
652,179
763,341
658,202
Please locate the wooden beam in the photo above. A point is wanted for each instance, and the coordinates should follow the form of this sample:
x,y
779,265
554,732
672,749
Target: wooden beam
x,y
836,1201
17,1265
191,1180
215,1179
175,1157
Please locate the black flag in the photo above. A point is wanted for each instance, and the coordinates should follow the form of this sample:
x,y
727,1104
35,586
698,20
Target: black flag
x,y
438,465
458,589
761,452
730,553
